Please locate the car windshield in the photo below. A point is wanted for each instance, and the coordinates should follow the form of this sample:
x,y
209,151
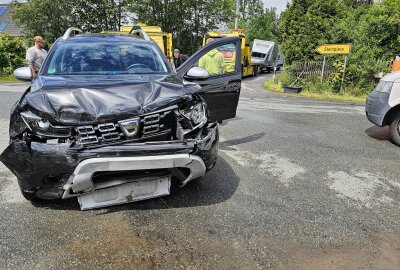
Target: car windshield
x,y
227,48
105,58
258,55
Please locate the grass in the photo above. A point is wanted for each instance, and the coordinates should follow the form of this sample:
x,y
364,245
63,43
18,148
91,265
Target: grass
x,y
8,78
277,88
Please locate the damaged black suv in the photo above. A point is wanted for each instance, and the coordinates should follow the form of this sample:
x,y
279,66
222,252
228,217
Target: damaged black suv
x,y
108,120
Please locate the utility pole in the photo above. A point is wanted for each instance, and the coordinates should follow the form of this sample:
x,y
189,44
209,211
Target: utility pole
x,y
237,14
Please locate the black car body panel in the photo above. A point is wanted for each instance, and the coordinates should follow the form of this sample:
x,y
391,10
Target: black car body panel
x,y
73,101
221,92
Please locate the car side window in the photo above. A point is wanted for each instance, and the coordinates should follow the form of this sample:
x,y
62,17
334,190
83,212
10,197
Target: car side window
x,y
219,61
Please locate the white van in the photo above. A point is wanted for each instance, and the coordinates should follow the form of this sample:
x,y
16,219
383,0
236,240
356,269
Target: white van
x,y
383,105
264,53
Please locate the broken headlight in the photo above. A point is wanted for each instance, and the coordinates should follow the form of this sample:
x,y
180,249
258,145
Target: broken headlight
x,y
196,114
43,128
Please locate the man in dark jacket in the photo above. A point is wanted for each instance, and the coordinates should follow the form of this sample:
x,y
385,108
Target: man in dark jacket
x,y
179,58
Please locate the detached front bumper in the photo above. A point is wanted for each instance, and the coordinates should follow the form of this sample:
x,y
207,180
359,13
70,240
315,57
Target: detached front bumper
x,y
61,171
81,180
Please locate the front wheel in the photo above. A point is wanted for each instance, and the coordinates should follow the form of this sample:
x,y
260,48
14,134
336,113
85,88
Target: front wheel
x,y
394,130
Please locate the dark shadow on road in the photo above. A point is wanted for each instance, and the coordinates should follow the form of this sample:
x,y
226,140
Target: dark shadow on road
x,y
216,187
59,204
379,133
225,122
226,144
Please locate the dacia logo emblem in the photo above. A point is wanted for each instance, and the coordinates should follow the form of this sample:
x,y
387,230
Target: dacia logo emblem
x,y
130,127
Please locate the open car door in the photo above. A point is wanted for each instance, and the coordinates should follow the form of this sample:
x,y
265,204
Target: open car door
x,y
221,58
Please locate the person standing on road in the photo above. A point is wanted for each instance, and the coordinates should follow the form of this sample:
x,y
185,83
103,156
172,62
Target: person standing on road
x,y
35,55
213,61
179,58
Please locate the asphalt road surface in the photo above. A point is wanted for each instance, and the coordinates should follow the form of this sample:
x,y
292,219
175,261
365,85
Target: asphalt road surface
x,y
299,184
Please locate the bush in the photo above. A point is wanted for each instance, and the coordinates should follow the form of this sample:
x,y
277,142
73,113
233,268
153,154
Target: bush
x,y
372,28
285,78
318,87
12,53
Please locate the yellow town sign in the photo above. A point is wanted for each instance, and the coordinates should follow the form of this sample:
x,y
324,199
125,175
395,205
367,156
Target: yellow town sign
x,y
334,49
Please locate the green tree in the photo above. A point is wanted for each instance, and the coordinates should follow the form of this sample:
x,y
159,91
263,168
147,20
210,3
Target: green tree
x,y
376,41
258,22
51,18
263,26
187,20
307,24
12,53
373,29
250,8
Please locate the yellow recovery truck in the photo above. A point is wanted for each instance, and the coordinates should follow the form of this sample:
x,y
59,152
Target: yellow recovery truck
x,y
163,39
248,69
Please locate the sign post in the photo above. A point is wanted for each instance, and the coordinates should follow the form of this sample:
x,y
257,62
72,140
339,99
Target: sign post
x,y
344,71
334,49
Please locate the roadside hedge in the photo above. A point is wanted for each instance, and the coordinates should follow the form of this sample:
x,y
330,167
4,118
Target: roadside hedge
x,y
372,27
12,53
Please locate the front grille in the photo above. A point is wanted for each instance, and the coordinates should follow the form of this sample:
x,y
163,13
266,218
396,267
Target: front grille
x,y
151,126
98,133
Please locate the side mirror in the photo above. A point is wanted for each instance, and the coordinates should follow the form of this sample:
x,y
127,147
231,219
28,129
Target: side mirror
x,y
23,73
196,73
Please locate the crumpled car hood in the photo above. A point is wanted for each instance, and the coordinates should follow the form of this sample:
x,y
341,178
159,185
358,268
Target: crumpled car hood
x,y
74,100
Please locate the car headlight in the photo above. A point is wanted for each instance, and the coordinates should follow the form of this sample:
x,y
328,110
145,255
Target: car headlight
x,y
384,87
43,128
196,114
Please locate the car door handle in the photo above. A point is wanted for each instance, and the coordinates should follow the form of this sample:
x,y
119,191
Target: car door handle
x,y
233,87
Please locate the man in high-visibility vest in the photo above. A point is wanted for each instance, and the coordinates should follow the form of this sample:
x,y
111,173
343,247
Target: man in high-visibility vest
x,y
213,61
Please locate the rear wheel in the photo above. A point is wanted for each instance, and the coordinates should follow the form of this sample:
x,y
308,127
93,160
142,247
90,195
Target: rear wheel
x,y
255,69
394,129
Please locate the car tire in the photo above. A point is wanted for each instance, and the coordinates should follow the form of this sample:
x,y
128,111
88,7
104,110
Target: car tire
x,y
394,129
255,69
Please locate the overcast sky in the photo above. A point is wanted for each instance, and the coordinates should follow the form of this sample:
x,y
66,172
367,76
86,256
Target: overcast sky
x,y
279,4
